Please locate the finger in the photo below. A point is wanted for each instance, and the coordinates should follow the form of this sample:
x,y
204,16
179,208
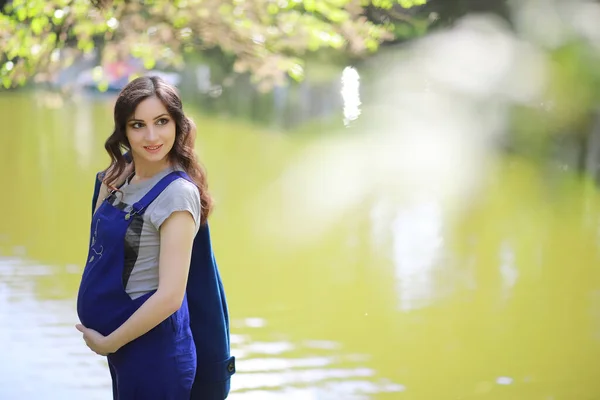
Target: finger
x,y
86,338
80,328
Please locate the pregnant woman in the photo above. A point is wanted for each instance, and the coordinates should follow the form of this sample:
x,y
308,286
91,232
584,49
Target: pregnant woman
x,y
151,297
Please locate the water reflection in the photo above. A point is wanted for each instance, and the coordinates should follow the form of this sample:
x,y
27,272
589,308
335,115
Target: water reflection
x,y
40,356
41,346
417,247
372,297
508,270
308,369
305,369
84,134
350,94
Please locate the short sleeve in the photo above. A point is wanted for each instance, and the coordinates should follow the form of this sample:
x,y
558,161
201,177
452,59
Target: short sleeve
x,y
180,195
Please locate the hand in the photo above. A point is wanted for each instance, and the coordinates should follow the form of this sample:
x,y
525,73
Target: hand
x,y
97,342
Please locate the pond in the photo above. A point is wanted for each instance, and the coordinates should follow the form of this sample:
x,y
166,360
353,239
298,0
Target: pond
x,y
333,293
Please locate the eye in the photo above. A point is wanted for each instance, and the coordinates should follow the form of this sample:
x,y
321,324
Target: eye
x,y
137,125
162,121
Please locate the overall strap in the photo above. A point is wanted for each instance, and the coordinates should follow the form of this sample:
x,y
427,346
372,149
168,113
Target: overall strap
x,y
157,189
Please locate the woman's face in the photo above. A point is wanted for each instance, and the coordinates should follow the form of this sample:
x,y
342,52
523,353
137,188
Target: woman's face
x,y
151,131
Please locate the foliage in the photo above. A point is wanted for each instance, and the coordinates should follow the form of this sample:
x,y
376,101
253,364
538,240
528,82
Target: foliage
x,y
267,38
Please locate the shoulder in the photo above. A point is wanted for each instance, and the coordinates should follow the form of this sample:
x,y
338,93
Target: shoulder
x,y
180,195
181,188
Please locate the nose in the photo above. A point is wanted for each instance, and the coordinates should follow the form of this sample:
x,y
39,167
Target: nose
x,y
151,134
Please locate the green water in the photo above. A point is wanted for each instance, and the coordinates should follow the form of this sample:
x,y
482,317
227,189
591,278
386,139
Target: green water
x,y
370,299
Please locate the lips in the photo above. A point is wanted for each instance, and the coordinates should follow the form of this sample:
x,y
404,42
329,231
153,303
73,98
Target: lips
x,y
153,149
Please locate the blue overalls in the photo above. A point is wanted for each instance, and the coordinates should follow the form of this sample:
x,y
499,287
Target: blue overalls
x,y
184,357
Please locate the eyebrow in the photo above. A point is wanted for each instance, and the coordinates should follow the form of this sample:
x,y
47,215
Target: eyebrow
x,y
155,118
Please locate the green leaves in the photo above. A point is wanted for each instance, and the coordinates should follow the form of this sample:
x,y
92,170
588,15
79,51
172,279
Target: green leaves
x,y
268,38
387,4
411,3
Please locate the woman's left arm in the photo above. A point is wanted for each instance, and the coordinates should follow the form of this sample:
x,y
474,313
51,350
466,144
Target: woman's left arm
x,y
176,239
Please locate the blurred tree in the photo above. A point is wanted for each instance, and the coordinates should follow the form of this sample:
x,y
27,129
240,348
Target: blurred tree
x,y
408,22
446,12
267,38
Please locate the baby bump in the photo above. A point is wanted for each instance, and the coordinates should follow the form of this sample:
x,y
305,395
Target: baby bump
x,y
104,310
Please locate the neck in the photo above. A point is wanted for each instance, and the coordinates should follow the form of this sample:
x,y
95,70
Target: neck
x,y
145,170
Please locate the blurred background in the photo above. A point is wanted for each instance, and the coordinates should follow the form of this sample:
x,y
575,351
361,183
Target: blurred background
x,y
407,190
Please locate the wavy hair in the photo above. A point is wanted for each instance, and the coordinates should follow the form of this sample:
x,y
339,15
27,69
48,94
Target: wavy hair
x,y
181,154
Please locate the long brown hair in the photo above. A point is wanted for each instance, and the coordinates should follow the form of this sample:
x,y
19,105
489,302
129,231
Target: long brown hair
x,y
181,154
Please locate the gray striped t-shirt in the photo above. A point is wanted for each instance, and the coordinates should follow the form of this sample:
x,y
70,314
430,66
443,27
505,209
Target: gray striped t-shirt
x,y
142,240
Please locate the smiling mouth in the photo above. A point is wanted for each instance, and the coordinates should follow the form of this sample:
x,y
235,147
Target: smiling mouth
x,y
153,148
